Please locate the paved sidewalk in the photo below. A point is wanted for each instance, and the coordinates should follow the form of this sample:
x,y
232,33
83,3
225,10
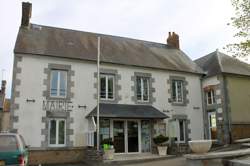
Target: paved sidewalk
x,y
179,161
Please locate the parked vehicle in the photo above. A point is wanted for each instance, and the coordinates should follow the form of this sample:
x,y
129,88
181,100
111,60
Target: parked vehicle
x,y
13,150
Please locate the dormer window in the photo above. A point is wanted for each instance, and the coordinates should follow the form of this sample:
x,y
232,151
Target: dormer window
x,y
107,86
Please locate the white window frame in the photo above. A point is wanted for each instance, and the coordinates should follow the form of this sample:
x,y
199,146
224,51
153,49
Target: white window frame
x,y
212,97
142,89
178,130
107,76
58,84
176,91
57,133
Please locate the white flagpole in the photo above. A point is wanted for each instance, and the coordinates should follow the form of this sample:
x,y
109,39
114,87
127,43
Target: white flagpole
x,y
98,93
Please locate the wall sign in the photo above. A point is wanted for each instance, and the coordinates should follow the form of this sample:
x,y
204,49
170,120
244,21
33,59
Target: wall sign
x,y
57,105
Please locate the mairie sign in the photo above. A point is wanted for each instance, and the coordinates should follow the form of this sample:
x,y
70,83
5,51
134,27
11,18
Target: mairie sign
x,y
57,105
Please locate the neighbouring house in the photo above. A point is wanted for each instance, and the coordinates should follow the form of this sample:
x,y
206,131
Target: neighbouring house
x,y
146,89
226,89
4,109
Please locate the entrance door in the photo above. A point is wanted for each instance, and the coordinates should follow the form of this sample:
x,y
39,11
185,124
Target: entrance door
x,y
145,136
133,141
212,125
119,136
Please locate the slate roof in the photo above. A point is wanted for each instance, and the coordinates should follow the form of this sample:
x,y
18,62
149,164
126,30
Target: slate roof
x,y
216,63
66,43
128,111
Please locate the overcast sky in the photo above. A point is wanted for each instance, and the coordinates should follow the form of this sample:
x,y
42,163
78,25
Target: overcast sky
x,y
201,24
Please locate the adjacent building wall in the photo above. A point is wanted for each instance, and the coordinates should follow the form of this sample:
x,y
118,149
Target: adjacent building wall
x,y
29,82
239,105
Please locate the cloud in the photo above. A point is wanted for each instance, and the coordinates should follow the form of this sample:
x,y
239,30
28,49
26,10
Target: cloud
x,y
201,24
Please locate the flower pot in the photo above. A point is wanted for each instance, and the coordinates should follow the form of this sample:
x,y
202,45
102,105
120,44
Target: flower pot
x,y
162,150
108,154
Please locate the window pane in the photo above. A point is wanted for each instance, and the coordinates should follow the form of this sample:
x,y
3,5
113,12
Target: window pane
x,y
103,87
104,129
63,81
138,88
8,143
111,87
179,90
174,91
145,89
182,130
53,83
61,132
52,132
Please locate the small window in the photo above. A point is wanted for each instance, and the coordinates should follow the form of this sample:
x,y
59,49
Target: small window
x,y
210,97
177,91
58,84
104,129
142,89
57,132
162,129
107,87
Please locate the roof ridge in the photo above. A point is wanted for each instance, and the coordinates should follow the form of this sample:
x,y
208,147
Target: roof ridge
x,y
95,33
217,54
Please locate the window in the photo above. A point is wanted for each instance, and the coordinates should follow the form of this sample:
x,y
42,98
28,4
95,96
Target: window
x,y
210,97
162,128
107,87
104,129
57,132
177,91
58,84
142,89
182,130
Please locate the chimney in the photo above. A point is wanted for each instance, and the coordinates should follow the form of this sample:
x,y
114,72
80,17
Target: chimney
x,y
26,14
173,40
3,87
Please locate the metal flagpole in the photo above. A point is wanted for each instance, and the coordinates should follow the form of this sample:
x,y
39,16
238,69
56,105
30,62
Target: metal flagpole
x,y
98,93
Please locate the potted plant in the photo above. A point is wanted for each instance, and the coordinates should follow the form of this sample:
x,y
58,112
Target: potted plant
x,y
161,142
108,148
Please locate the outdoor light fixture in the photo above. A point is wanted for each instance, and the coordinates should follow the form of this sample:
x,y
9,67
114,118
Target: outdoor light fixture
x,y
30,100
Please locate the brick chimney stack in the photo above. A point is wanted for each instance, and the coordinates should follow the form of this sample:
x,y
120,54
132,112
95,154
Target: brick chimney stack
x,y
173,40
26,14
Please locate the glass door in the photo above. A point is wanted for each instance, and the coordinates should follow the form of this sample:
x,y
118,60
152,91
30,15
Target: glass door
x,y
212,125
133,140
119,136
145,136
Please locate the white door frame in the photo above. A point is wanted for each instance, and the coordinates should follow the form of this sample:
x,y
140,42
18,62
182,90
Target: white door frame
x,y
209,123
126,133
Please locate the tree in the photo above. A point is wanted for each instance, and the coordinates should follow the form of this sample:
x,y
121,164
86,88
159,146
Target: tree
x,y
241,21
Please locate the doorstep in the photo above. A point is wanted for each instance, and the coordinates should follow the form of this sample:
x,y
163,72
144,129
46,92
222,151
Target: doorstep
x,y
121,159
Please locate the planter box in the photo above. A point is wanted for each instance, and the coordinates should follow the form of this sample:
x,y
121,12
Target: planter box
x,y
162,150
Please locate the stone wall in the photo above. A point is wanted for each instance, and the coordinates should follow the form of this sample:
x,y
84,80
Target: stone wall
x,y
56,156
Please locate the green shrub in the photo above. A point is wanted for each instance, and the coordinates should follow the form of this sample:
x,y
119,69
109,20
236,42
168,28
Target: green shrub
x,y
160,140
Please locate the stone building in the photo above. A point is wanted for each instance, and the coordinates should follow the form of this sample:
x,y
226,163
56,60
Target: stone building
x,y
146,89
227,97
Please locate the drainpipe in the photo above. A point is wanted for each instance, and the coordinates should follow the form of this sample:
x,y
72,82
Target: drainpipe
x,y
98,95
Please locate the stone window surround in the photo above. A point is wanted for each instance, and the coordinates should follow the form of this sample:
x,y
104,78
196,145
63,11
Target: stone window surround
x,y
152,99
57,114
185,91
187,125
15,93
117,86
